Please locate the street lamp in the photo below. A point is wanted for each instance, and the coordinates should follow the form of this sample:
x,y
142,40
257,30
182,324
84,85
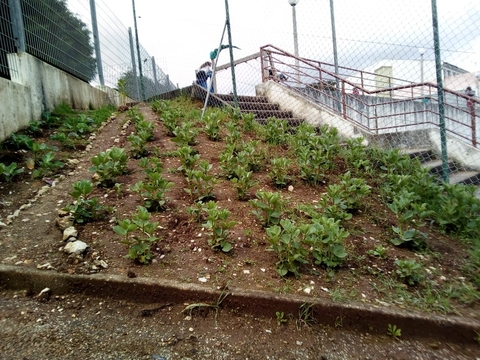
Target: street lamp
x,y
421,51
295,37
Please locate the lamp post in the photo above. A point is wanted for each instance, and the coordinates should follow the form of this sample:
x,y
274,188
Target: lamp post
x,y
421,51
295,36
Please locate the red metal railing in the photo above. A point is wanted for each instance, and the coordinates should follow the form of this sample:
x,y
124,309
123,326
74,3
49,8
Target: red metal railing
x,y
355,95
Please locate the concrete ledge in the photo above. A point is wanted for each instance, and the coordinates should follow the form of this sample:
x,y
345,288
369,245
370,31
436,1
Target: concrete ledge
x,y
357,317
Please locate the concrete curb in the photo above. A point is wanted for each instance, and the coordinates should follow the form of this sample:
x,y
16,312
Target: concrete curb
x,y
357,317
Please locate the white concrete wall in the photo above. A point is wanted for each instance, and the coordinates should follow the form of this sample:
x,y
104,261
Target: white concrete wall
x,y
303,108
36,87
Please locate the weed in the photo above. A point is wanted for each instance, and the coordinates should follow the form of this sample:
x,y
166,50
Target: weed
x,y
280,317
305,315
379,251
394,331
409,271
216,306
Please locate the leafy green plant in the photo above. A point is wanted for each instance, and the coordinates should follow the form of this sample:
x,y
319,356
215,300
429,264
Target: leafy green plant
x,y
285,239
20,141
334,203
313,164
276,131
138,235
212,125
248,122
229,161
233,134
8,172
197,211
186,133
219,225
145,130
325,236
379,251
149,165
85,208
122,89
409,271
153,191
47,165
410,215
268,207
243,182
108,165
40,149
200,182
66,141
355,190
281,319
138,146
188,157
394,331
280,172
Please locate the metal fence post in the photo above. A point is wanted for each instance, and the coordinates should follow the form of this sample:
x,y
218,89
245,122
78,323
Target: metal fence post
x,y
154,67
232,65
441,104
134,65
17,24
96,41
142,85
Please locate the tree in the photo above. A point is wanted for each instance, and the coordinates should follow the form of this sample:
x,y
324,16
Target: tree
x,y
55,35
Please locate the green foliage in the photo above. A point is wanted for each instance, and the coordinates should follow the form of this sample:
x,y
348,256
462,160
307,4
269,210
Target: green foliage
x,y
212,125
355,190
108,165
285,239
138,146
379,251
248,122
229,161
85,208
188,157
243,182
20,141
121,86
281,319
325,236
313,165
334,204
355,155
276,131
38,150
394,331
138,235
233,134
199,182
47,165
150,165
185,134
153,191
410,215
169,117
280,172
409,271
268,207
8,172
219,225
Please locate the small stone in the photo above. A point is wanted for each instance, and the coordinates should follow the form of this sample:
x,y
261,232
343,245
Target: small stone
x,y
290,188
202,279
44,295
299,343
76,247
69,233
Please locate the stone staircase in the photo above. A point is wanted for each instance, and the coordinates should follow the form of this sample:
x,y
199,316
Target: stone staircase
x,y
262,109
456,173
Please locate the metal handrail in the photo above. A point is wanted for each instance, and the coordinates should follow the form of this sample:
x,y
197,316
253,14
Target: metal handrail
x,y
275,60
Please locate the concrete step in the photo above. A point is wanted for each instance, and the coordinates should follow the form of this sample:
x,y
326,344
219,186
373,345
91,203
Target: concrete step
x,y
292,122
265,114
243,98
250,106
465,177
423,155
436,166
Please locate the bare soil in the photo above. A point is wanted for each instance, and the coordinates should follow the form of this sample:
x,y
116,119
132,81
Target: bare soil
x,y
32,239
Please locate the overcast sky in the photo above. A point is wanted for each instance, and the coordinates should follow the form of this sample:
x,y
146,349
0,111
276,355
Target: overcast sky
x,y
181,33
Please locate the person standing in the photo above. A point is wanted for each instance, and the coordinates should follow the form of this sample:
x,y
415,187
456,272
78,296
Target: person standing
x,y
203,74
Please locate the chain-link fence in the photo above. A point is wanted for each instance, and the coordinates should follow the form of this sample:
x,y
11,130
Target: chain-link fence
x,y
82,38
372,69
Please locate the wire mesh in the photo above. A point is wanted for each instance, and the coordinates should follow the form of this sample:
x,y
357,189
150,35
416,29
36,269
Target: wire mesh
x,y
7,41
377,79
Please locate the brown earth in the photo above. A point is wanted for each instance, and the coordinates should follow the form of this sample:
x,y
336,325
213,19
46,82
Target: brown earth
x,y
33,239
